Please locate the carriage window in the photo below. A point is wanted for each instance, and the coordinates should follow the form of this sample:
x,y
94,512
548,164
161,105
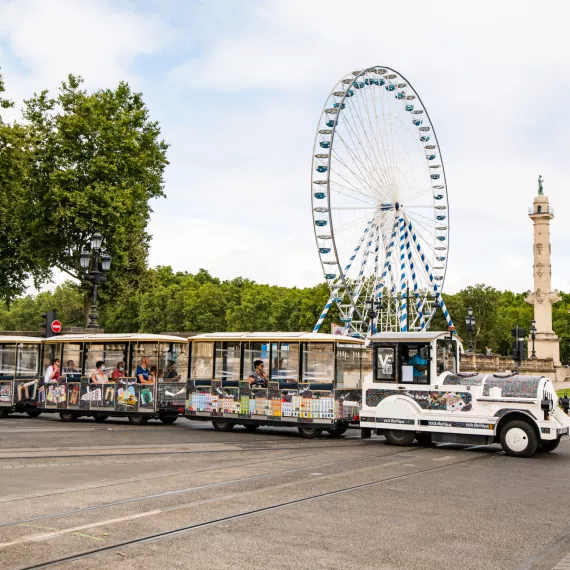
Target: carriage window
x,y
349,361
285,361
202,360
255,351
7,359
318,362
51,351
150,351
414,363
111,354
28,360
385,360
446,356
228,360
72,359
173,362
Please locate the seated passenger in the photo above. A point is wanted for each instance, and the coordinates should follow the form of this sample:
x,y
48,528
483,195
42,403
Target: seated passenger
x,y
70,368
419,364
52,373
119,372
171,372
258,378
152,376
143,373
98,375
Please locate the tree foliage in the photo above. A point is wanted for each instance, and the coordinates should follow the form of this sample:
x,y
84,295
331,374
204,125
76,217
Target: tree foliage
x,y
86,162
165,300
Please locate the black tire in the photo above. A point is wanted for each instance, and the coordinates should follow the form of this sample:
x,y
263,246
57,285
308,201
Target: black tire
x,y
33,413
68,417
400,438
549,445
423,437
4,413
309,433
220,425
519,439
250,427
337,431
100,418
168,419
138,420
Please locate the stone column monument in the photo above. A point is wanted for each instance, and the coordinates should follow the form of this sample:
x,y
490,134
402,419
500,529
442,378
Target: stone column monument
x,y
547,344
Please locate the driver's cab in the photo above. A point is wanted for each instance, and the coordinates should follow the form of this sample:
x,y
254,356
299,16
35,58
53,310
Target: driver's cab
x,y
416,358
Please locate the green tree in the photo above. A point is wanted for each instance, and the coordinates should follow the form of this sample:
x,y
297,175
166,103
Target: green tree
x,y
96,161
19,261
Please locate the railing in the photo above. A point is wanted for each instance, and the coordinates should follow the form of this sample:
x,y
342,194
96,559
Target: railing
x,y
496,363
543,210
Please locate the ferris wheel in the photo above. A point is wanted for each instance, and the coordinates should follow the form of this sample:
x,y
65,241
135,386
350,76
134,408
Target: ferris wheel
x,y
380,206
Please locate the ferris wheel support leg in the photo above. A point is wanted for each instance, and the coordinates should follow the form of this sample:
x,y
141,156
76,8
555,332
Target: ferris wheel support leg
x,y
436,291
335,291
362,269
414,281
404,305
387,264
323,314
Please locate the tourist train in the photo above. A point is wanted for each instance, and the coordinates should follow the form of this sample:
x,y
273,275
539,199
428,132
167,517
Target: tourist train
x,y
406,386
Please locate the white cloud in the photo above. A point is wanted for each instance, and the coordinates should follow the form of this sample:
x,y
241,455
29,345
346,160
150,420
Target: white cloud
x,y
241,112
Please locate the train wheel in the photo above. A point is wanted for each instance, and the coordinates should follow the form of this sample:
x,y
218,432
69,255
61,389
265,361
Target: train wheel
x,y
399,437
337,431
100,418
547,446
309,433
33,413
4,413
68,417
519,439
220,425
138,420
168,419
250,427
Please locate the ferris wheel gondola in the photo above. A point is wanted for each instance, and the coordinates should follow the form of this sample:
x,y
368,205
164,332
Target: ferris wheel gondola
x,y
380,205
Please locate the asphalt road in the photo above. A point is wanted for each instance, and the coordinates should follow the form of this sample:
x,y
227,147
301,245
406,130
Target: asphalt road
x,y
92,495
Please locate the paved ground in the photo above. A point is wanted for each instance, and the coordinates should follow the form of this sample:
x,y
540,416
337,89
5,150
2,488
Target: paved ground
x,y
270,500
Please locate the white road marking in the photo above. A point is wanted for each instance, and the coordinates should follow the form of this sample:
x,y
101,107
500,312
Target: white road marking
x,y
444,458
54,534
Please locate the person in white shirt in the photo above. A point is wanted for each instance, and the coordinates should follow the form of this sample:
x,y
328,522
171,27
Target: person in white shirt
x,y
52,373
98,376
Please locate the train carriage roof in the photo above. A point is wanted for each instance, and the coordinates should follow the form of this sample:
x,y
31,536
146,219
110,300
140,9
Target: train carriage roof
x,y
11,339
277,337
121,337
425,336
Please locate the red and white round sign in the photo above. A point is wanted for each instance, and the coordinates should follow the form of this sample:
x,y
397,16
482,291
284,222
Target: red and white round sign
x,y
56,326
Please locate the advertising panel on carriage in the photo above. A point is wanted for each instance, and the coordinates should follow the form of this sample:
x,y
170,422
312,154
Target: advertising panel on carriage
x,y
307,380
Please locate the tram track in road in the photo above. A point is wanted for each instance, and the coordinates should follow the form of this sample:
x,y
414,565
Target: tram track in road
x,y
248,513
206,486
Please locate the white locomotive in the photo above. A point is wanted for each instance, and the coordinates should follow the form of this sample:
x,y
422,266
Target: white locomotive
x,y
417,392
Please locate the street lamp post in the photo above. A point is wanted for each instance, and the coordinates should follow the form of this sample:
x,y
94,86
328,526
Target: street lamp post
x,y
470,323
95,264
532,331
372,312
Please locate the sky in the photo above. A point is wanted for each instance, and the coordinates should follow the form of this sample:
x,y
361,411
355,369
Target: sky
x,y
238,89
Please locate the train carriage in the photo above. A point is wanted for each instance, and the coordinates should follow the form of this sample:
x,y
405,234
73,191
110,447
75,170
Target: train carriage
x,y
115,390
312,382
20,374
